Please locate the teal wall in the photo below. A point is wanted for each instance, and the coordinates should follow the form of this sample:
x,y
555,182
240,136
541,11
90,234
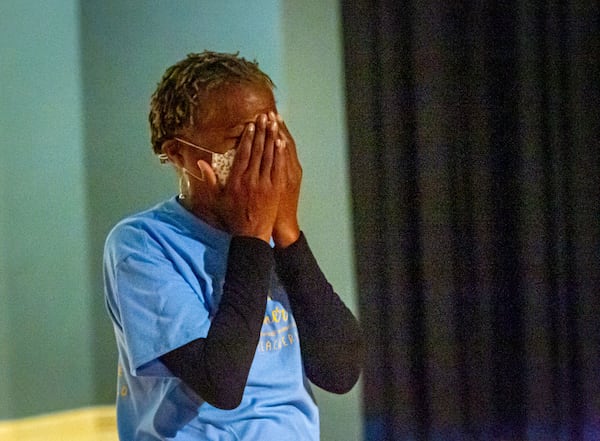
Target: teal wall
x,y
80,76
46,347
313,69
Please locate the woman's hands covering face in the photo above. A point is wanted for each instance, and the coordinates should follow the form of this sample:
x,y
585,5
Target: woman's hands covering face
x,y
260,198
248,203
286,229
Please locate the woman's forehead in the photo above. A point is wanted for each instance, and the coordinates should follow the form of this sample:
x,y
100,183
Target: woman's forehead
x,y
236,104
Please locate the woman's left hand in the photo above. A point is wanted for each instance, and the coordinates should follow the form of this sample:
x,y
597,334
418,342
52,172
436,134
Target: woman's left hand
x,y
286,229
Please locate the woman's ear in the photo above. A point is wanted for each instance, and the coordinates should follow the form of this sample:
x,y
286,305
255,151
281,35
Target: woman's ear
x,y
172,149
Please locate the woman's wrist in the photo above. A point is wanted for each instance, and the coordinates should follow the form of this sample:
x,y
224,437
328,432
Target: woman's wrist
x,y
284,237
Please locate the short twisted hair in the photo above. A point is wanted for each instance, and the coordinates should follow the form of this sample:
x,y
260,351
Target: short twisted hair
x,y
177,102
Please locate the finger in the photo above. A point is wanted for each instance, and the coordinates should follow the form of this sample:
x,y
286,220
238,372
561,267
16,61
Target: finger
x,y
244,149
279,171
257,146
284,129
285,133
269,149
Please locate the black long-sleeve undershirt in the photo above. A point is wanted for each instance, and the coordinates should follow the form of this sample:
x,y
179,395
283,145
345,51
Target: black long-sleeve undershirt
x,y
330,337
217,367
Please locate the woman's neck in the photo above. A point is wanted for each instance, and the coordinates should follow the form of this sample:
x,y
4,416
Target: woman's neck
x,y
202,211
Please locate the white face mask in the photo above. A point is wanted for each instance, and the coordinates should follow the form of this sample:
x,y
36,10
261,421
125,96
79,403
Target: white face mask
x,y
220,162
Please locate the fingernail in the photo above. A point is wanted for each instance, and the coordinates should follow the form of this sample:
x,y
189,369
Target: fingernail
x,y
251,127
272,116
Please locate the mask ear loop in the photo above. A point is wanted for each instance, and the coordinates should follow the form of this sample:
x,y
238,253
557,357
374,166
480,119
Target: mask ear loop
x,y
199,178
164,158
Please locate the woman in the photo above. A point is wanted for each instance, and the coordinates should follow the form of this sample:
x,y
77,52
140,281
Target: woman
x,y
221,313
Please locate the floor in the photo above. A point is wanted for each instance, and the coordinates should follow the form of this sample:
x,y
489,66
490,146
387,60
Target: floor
x,y
87,424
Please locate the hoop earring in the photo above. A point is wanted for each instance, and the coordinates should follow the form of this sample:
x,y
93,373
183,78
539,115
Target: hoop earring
x,y
183,183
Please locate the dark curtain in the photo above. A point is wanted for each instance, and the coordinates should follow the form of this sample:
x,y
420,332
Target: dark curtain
x,y
474,151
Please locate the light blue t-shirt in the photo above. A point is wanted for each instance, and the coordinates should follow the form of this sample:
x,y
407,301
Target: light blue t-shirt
x,y
164,270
